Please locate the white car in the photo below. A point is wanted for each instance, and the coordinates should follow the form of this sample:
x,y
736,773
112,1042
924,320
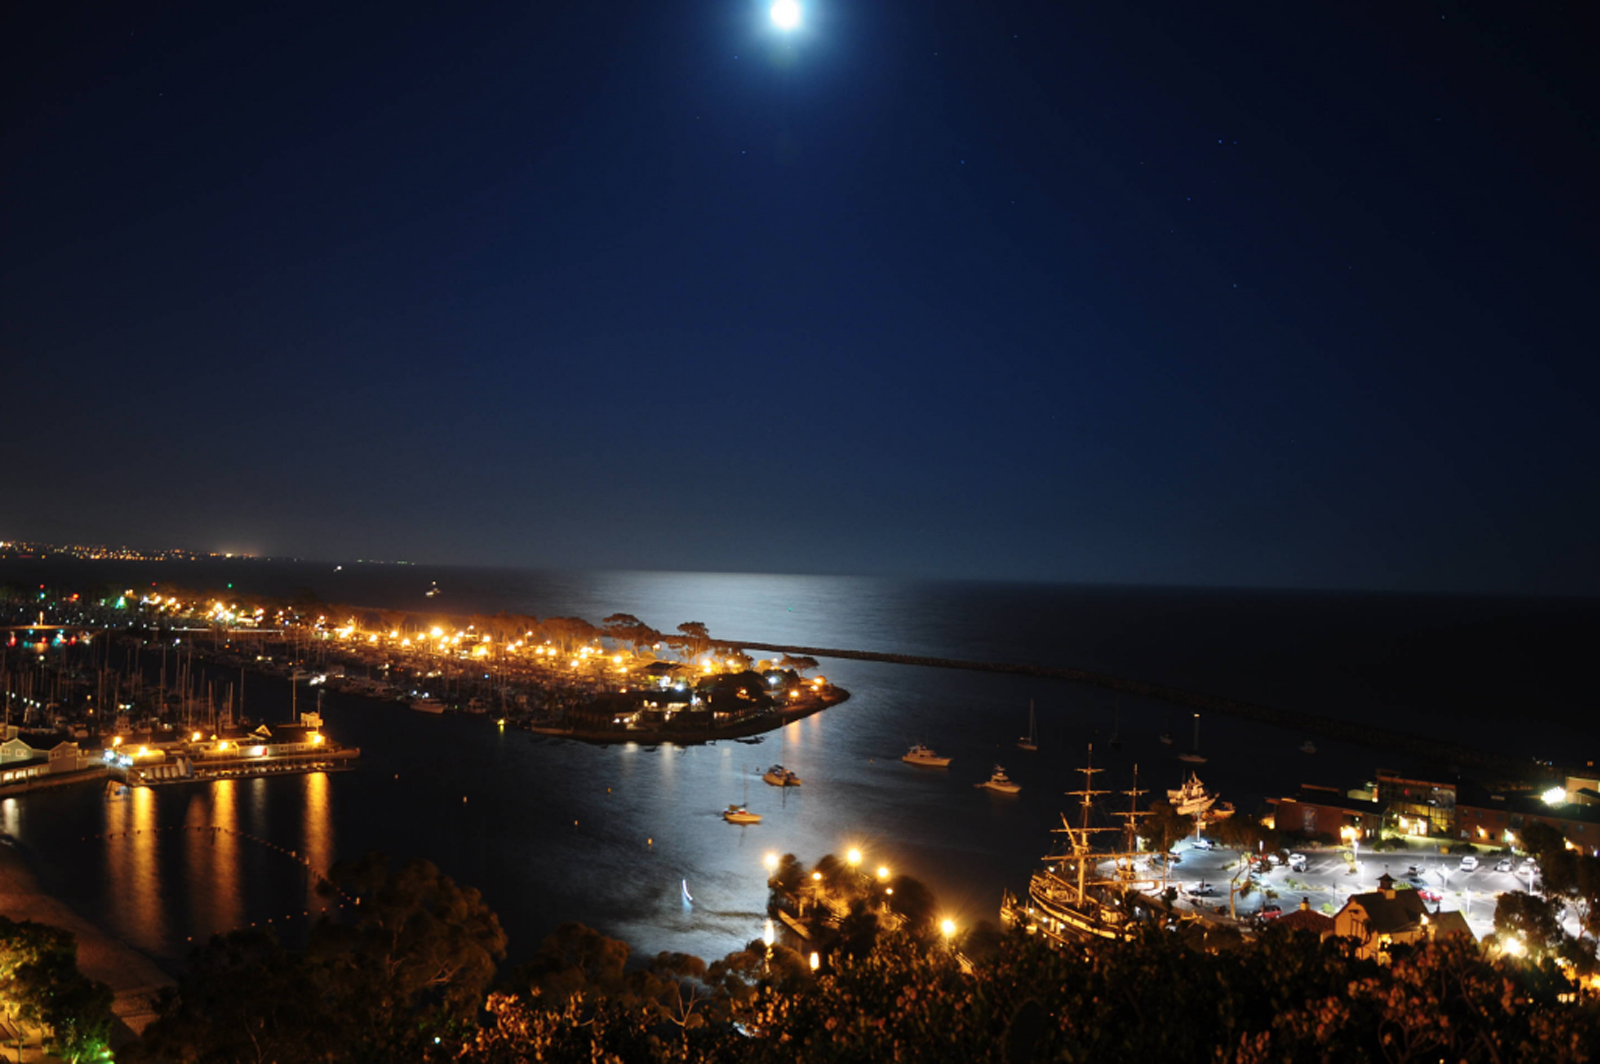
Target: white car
x,y
1297,862
1469,863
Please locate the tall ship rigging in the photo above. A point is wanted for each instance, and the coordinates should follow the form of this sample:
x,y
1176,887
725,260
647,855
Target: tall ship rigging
x,y
1083,891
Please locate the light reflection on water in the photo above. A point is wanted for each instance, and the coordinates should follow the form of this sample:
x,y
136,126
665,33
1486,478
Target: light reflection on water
x,y
555,831
133,850
212,848
317,833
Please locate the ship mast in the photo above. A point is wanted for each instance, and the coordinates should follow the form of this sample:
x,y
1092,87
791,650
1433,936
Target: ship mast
x,y
1080,841
1131,817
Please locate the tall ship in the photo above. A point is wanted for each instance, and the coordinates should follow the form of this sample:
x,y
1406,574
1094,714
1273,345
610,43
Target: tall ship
x,y
1086,888
1192,799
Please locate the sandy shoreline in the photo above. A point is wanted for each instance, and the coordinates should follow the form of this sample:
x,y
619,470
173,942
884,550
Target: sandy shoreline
x,y
132,976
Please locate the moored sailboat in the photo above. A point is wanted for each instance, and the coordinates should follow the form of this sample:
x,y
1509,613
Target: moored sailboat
x,y
740,814
1031,740
1194,756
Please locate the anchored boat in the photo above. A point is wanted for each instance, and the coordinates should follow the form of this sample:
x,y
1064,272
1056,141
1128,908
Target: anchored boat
x,y
740,814
1031,740
1000,782
779,776
924,755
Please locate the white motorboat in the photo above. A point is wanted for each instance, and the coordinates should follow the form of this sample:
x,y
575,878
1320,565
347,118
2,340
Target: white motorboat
x,y
426,704
924,755
1000,782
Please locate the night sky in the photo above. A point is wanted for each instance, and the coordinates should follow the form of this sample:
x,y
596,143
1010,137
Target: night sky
x,y
1183,293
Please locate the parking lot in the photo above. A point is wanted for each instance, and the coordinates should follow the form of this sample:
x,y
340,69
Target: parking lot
x,y
1204,878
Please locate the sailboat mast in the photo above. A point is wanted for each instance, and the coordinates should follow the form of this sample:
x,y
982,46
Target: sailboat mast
x,y
1082,842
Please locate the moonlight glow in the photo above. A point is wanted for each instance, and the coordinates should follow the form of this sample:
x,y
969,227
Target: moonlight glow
x,y
786,14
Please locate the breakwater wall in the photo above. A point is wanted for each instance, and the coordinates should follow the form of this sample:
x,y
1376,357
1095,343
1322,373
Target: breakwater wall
x,y
1425,747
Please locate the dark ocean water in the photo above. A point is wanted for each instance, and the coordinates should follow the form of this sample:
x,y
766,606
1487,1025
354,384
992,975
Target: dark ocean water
x,y
552,831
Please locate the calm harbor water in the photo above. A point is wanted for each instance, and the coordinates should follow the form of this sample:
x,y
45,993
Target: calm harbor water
x,y
551,830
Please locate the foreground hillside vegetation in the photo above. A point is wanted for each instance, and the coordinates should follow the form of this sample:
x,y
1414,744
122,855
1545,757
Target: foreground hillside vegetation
x,y
413,977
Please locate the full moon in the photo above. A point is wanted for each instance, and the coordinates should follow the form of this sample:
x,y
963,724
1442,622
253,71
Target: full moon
x,y
786,14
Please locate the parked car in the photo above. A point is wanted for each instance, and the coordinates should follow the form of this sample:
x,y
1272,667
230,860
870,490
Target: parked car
x,y
1201,890
1503,865
1271,911
1297,862
1469,863
1203,843
1430,895
1413,872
